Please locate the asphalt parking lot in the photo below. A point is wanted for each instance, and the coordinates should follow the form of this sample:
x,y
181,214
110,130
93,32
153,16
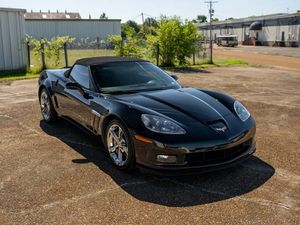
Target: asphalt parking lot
x,y
60,175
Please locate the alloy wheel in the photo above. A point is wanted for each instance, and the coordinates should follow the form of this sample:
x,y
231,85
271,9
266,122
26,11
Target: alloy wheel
x,y
45,105
117,145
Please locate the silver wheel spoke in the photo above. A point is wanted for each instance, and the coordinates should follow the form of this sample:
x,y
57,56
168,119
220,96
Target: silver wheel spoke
x,y
120,157
117,145
112,149
124,150
114,135
120,132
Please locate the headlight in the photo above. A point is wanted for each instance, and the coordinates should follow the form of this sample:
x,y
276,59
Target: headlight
x,y
241,111
161,125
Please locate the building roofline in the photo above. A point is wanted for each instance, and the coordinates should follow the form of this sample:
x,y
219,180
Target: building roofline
x,y
251,19
12,10
83,20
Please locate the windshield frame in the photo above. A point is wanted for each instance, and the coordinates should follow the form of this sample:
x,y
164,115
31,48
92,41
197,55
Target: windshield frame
x,y
120,90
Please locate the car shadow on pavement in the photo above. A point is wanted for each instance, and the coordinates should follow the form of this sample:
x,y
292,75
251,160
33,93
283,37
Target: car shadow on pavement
x,y
181,191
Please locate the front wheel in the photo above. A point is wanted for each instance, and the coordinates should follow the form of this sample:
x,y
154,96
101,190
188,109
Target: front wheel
x,y
120,147
47,109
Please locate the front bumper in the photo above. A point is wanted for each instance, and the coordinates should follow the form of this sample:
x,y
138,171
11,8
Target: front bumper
x,y
196,157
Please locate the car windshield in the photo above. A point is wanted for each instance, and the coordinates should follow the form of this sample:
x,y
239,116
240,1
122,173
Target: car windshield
x,y
126,77
232,39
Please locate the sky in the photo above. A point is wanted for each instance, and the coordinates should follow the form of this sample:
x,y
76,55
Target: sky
x,y
132,9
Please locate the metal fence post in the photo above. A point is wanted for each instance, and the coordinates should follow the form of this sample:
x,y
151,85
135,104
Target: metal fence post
x,y
194,58
28,55
122,48
43,54
66,54
157,54
98,42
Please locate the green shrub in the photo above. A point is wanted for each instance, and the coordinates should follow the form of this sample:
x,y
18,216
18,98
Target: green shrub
x,y
51,49
131,47
176,41
54,47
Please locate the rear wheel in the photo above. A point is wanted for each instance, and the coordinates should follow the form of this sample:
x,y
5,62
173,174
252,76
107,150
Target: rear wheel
x,y
119,146
47,109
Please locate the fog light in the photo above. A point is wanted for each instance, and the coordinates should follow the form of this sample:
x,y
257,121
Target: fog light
x,y
166,158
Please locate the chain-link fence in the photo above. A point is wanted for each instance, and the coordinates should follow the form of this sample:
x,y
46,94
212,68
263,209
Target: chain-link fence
x,y
86,48
68,55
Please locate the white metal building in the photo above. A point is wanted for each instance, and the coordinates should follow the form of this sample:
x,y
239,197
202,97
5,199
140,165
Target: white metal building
x,y
277,29
78,28
12,39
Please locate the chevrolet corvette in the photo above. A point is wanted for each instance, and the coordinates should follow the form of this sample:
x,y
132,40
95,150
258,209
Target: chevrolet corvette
x,y
145,118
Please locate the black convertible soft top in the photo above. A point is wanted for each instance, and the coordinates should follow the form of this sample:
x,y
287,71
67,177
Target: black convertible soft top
x,y
103,60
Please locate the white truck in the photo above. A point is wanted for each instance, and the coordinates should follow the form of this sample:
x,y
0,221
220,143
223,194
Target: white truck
x,y
227,40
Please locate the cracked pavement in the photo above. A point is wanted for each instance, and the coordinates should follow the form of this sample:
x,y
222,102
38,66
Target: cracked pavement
x,y
60,175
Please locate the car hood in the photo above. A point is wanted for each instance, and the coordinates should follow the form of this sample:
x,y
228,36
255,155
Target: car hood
x,y
183,105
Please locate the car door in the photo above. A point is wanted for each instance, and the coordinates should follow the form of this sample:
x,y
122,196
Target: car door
x,y
75,104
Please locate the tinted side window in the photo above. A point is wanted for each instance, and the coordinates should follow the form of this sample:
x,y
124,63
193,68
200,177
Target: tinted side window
x,y
80,74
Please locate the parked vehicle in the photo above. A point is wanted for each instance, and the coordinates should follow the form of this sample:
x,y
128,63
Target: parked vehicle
x,y
227,40
146,118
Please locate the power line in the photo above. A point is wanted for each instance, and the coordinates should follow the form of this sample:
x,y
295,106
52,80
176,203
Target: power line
x,y
211,13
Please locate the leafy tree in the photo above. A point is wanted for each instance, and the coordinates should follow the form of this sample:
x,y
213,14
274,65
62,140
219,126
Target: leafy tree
x,y
134,25
127,30
117,42
168,35
150,26
200,19
175,39
103,16
131,47
215,20
187,44
151,22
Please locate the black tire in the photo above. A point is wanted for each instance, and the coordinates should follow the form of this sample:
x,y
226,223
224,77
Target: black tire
x,y
130,164
51,113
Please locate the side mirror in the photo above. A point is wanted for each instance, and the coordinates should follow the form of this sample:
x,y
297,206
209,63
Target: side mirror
x,y
76,86
174,77
67,73
73,86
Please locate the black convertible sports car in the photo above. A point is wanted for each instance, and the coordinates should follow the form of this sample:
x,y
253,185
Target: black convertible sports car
x,y
147,119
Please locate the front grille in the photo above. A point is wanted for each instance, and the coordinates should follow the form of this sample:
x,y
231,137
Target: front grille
x,y
217,156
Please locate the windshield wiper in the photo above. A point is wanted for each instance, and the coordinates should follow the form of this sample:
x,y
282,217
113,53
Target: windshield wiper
x,y
159,89
136,91
120,92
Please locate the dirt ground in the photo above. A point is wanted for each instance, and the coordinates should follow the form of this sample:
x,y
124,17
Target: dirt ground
x,y
264,56
59,175
267,50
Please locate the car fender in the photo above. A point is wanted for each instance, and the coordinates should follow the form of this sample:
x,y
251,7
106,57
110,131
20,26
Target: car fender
x,y
124,113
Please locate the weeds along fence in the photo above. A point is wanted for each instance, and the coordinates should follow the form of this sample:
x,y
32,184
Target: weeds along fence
x,y
41,55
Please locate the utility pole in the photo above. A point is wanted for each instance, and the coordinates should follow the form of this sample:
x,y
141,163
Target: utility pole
x,y
211,13
144,28
143,18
